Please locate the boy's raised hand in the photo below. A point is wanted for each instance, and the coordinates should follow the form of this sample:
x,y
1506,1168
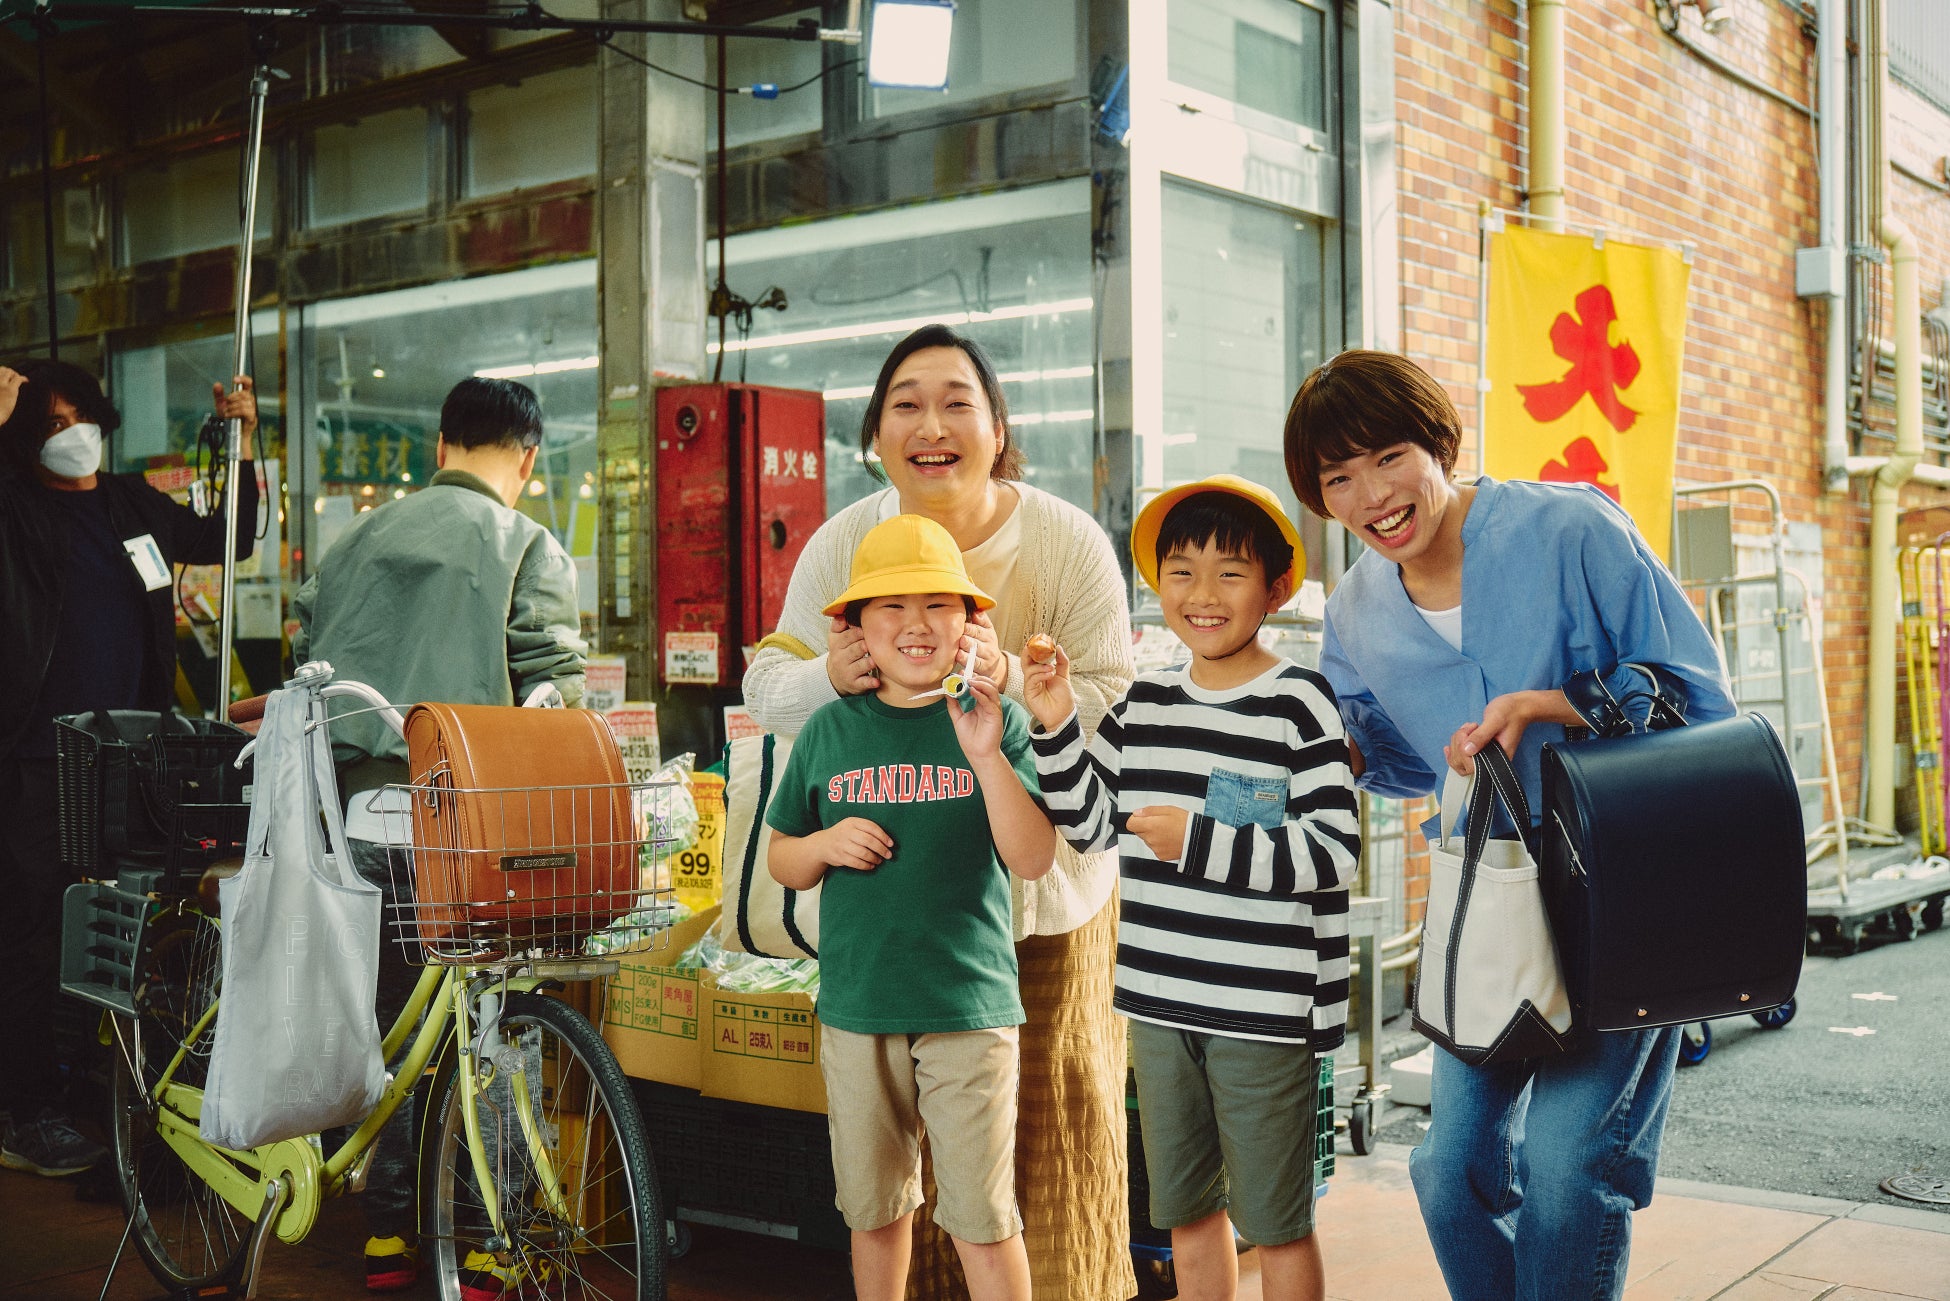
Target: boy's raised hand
x,y
856,843
1046,688
979,729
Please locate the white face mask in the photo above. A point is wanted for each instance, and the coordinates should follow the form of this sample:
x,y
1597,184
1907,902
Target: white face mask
x,y
75,452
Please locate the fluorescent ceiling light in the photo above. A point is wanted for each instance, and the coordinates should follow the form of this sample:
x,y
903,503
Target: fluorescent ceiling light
x,y
1054,417
551,278
524,369
908,47
1007,377
1061,307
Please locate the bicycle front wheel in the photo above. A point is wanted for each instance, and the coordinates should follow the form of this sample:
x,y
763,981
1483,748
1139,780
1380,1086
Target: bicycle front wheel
x,y
182,1229
580,1205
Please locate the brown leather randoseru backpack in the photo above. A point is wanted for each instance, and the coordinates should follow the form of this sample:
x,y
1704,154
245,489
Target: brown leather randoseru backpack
x,y
524,828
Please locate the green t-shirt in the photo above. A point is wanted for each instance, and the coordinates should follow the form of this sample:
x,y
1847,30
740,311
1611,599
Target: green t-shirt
x,y
922,943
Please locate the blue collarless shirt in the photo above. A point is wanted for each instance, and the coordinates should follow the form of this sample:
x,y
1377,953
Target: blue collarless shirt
x,y
1556,581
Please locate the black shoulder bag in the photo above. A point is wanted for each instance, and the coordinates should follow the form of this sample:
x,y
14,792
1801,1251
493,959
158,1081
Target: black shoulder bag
x,y
1673,861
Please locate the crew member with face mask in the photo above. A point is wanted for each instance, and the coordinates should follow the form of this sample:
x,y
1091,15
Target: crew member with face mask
x,y
87,591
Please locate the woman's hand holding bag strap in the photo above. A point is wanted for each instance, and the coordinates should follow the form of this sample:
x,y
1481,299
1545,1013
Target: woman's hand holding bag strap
x,y
1673,859
1489,988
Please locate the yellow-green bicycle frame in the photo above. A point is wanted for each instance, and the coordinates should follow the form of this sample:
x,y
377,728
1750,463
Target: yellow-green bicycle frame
x,y
306,1176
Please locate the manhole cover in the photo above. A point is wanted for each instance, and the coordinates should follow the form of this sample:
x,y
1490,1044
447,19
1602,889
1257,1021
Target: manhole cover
x,y
1919,1188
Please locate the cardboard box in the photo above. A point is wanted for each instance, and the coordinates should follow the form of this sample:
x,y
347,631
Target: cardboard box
x,y
762,1048
652,1015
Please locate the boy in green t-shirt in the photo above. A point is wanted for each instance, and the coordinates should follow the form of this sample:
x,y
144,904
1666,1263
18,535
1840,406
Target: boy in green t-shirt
x,y
910,807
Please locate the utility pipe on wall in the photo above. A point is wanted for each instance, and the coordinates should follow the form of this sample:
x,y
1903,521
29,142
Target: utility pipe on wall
x,y
1831,60
1546,86
1901,465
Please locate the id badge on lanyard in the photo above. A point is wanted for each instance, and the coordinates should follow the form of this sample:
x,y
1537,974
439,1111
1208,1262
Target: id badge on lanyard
x,y
149,562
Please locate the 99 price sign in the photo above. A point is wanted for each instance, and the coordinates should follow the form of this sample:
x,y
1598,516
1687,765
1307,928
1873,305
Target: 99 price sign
x,y
695,877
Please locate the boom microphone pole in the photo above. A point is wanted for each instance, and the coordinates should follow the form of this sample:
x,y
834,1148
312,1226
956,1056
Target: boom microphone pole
x,y
234,427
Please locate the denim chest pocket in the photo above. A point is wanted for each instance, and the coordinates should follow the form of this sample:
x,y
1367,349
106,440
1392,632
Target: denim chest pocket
x,y
1238,800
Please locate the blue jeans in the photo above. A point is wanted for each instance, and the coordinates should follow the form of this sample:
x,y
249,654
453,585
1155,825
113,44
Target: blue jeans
x,y
1531,1170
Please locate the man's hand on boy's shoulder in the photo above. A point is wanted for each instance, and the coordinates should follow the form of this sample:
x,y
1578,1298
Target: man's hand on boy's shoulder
x,y
856,843
1162,828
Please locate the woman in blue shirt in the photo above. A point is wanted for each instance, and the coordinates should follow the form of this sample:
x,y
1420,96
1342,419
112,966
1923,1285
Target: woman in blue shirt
x,y
1471,606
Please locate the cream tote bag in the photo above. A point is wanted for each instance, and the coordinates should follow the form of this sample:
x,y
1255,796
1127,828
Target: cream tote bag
x,y
760,915
1489,987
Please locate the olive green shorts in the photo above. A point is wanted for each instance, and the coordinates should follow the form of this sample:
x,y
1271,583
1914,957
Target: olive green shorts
x,y
1228,1125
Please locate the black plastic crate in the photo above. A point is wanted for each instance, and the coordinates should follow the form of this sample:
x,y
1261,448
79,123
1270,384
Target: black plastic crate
x,y
145,790
733,1158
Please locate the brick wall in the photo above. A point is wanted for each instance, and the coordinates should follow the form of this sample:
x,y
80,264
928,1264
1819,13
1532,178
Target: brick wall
x,y
1659,143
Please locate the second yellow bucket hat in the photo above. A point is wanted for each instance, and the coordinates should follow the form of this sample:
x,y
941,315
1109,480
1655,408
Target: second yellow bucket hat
x,y
1144,533
906,556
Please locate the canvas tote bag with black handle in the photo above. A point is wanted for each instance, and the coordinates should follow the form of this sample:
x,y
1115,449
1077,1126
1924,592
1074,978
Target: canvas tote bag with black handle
x,y
1489,986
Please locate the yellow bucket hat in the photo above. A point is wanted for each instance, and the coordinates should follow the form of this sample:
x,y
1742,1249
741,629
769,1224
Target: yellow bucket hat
x,y
1144,533
906,556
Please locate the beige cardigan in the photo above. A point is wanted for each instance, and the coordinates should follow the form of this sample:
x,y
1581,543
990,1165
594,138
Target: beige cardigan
x,y
1067,584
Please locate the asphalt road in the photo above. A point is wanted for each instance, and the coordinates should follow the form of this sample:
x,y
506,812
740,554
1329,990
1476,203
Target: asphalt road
x,y
1809,1108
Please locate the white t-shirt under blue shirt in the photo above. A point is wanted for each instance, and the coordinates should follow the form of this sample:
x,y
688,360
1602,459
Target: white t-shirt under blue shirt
x,y
1447,623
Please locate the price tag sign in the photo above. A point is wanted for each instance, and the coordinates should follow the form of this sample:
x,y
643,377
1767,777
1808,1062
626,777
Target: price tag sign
x,y
603,683
691,657
695,873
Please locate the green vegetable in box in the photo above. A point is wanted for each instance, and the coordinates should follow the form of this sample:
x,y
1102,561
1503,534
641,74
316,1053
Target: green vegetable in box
x,y
747,973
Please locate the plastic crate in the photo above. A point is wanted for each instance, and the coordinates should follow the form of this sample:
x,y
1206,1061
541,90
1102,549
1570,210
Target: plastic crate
x,y
101,931
758,1163
148,790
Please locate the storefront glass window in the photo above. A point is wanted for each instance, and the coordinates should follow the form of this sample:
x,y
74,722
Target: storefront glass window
x,y
348,56
1012,271
998,46
377,369
369,168
163,394
540,131
1266,55
1247,316
191,205
749,120
74,237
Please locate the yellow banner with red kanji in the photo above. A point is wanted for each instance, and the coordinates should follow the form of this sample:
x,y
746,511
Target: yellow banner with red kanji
x,y
1583,350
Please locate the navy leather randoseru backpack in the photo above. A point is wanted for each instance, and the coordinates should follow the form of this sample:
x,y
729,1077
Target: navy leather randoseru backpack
x,y
1673,862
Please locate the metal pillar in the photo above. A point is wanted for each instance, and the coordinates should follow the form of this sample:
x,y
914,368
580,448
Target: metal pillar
x,y
650,295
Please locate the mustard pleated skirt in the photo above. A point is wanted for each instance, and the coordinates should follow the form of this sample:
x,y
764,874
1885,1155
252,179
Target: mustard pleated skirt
x,y
1072,1171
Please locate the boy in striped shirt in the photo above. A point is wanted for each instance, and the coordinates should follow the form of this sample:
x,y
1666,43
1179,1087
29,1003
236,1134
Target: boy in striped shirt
x,y
1224,784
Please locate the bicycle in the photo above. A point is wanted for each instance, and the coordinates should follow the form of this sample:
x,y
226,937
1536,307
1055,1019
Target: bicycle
x,y
558,1199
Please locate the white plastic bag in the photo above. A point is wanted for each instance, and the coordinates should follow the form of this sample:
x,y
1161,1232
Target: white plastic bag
x,y
297,1042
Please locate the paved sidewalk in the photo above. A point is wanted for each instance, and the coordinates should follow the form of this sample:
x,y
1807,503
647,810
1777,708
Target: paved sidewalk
x,y
1696,1241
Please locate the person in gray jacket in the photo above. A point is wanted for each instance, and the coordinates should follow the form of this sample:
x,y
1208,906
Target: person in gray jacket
x,y
451,595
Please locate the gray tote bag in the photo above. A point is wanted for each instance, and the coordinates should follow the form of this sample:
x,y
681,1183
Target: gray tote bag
x,y
297,1043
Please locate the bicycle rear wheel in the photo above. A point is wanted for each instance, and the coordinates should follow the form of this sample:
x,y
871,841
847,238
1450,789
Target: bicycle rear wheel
x,y
601,1238
182,1229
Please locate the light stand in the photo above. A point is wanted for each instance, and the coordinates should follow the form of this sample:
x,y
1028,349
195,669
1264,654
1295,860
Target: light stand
x,y
240,355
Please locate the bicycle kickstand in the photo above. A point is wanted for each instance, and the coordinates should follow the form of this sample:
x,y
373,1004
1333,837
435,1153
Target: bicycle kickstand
x,y
239,1279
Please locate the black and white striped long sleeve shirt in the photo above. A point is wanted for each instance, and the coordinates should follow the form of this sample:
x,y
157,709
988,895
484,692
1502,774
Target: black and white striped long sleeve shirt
x,y
1246,934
